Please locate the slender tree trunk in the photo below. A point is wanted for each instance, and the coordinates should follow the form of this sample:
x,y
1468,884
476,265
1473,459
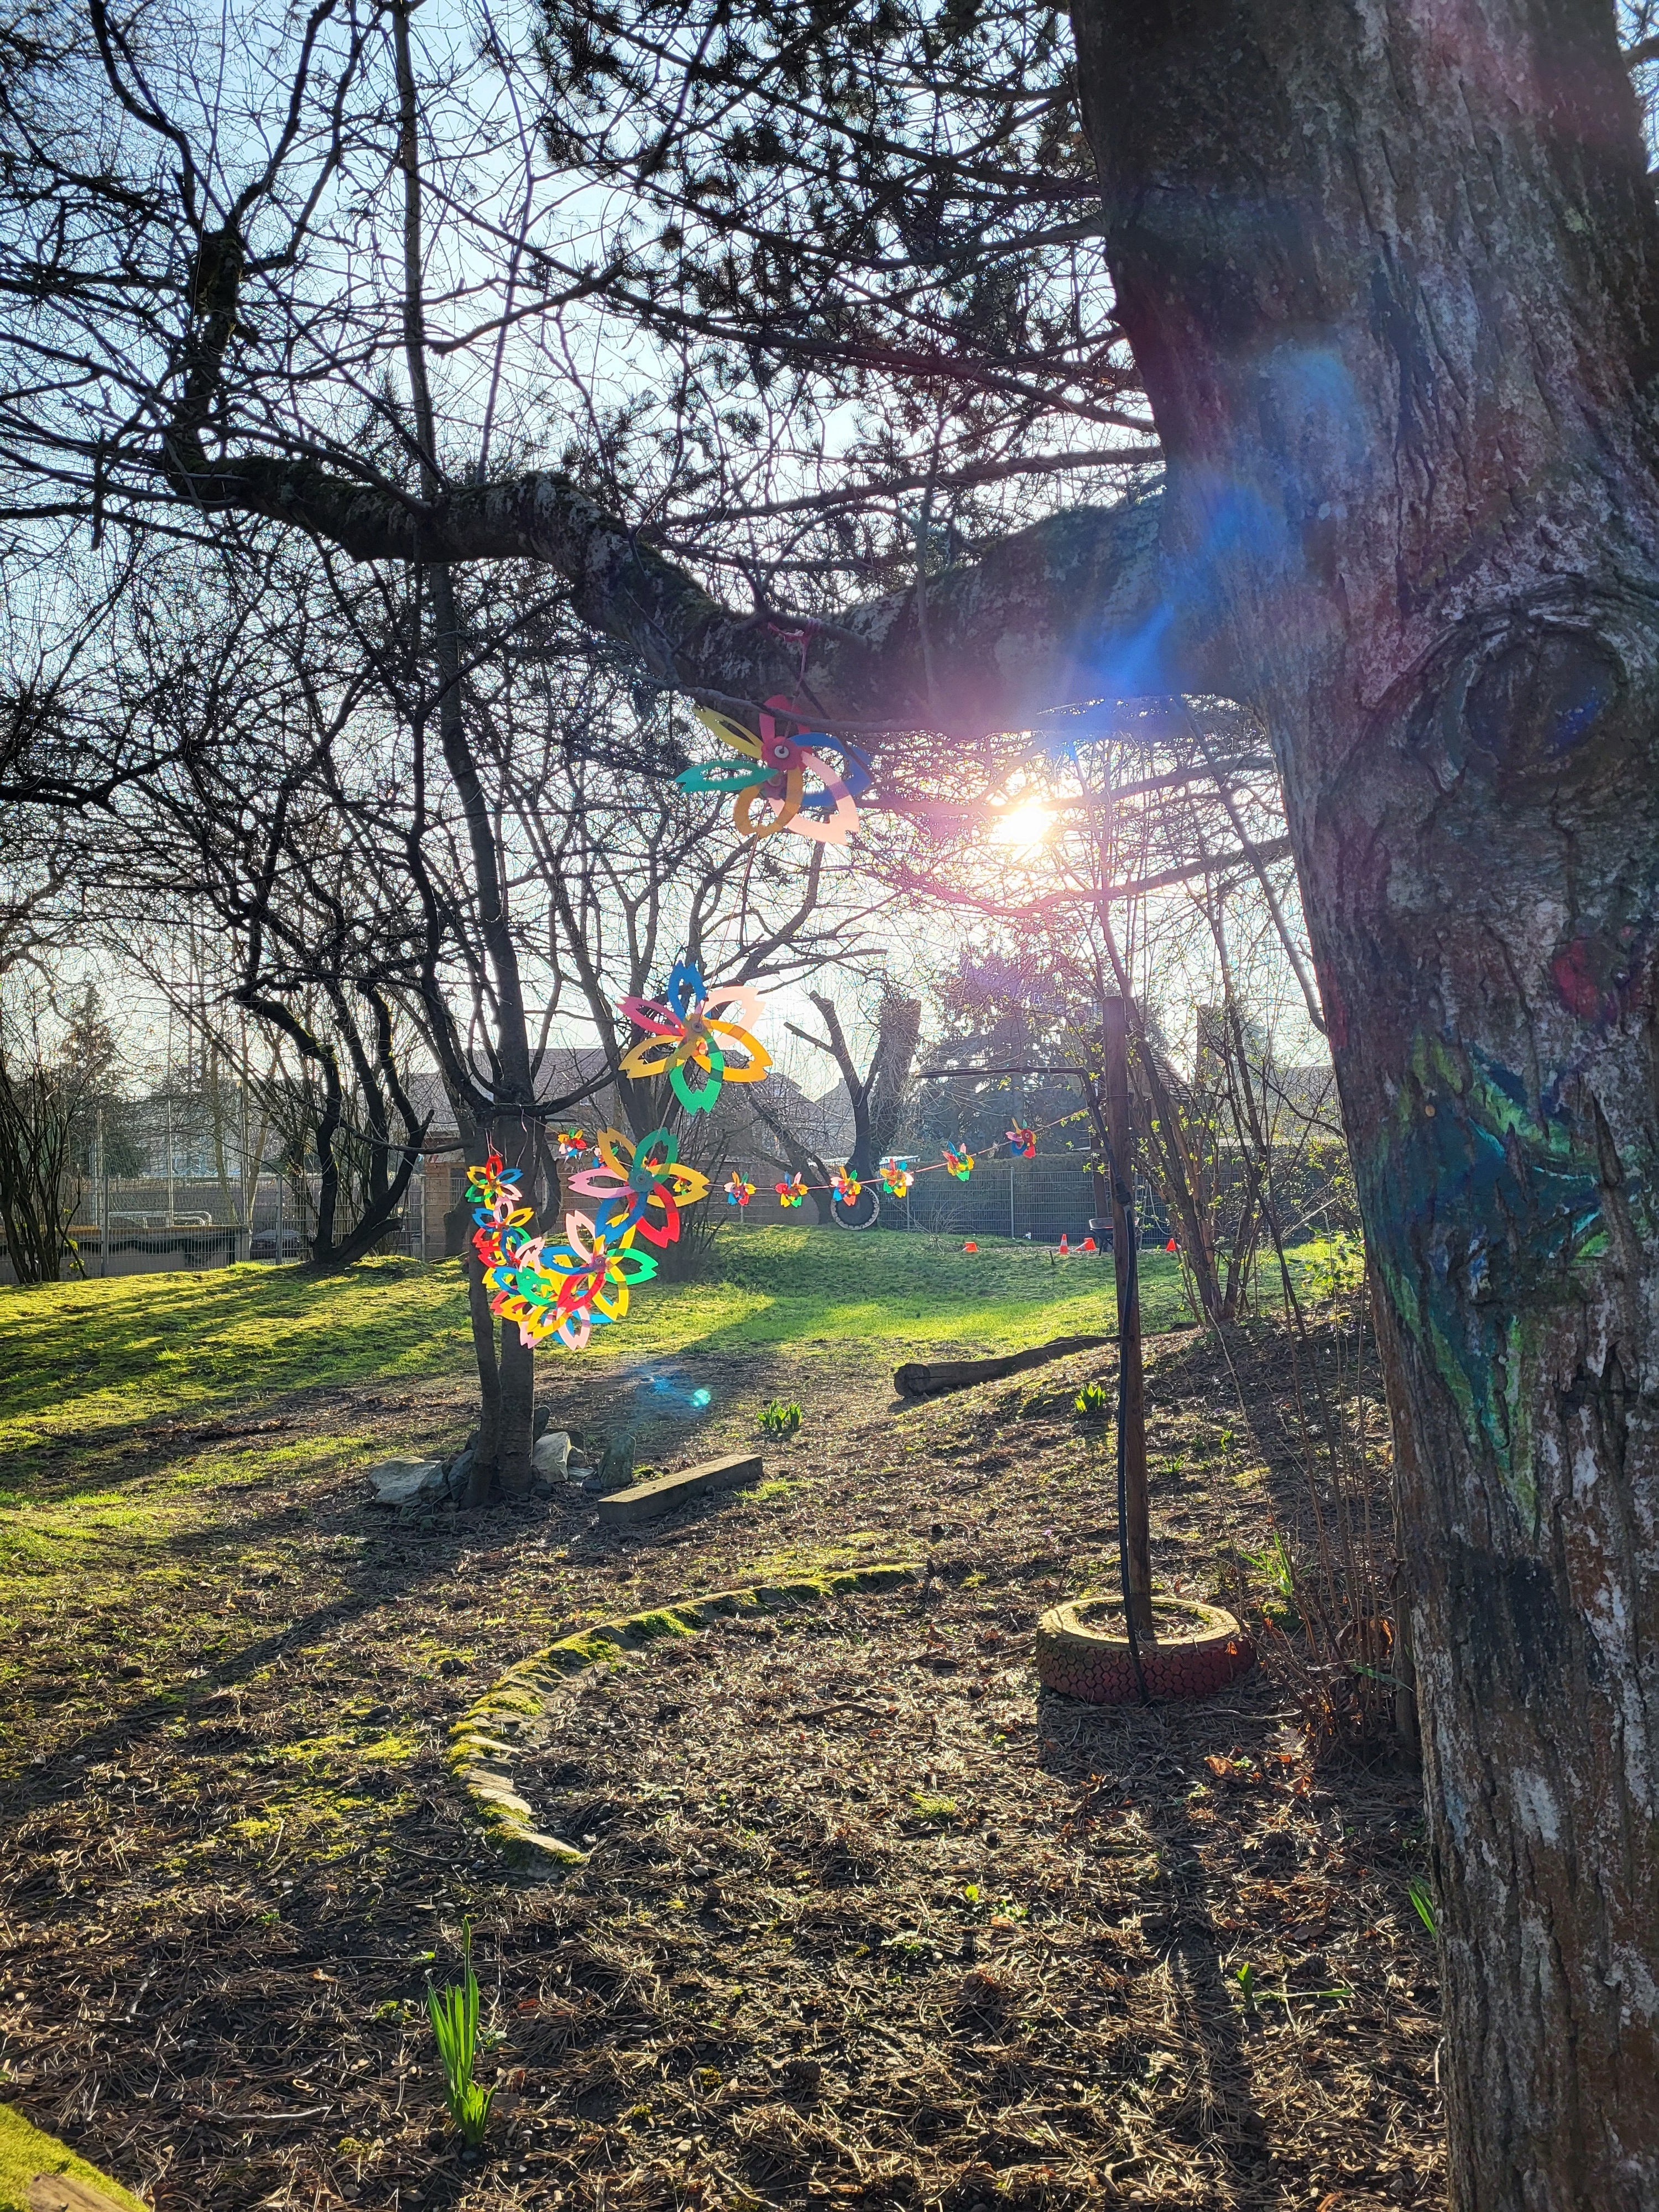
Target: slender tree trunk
x,y
506,1383
1389,274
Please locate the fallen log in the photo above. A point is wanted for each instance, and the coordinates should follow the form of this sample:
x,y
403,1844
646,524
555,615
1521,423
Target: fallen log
x,y
918,1379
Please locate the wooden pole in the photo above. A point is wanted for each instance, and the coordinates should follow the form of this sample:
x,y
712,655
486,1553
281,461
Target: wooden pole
x,y
1132,1408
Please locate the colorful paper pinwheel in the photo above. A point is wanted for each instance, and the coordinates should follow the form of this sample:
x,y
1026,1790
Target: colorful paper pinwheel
x,y
846,1185
959,1161
1023,1141
568,1290
737,1192
563,1292
572,1143
792,1192
682,1032
778,772
896,1177
640,1188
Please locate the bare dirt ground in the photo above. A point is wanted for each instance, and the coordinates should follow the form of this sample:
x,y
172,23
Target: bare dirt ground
x,y
867,1919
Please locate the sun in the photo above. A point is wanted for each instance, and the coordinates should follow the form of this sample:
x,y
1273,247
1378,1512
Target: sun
x,y
1027,824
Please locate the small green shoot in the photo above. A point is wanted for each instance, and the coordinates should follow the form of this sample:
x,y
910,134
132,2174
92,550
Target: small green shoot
x,y
1253,1994
1422,1898
453,2011
1276,1566
780,1419
1093,1401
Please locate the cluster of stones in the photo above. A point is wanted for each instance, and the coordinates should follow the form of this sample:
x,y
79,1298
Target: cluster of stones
x,y
515,1716
1195,1651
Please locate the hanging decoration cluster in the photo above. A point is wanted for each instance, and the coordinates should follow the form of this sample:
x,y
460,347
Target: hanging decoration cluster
x,y
561,1290
636,1191
774,772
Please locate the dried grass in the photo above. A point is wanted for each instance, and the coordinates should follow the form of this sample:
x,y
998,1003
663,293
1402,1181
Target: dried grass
x,y
770,1985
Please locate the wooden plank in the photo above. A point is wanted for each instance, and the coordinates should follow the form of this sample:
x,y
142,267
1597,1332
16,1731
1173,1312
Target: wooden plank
x,y
649,1501
62,2192
919,1380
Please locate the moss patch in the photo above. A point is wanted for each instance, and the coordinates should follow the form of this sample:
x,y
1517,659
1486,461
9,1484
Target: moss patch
x,y
25,2152
510,1719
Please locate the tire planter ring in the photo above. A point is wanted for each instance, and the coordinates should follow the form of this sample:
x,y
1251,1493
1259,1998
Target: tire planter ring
x,y
1200,1651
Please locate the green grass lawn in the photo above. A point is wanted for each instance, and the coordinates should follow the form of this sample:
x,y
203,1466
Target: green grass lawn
x,y
124,1518
90,1359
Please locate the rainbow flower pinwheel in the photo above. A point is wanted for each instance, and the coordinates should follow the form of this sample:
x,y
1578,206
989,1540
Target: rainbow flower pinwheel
x,y
846,1185
572,1144
640,1188
1023,1141
737,1192
682,1032
776,770
563,1292
568,1290
896,1177
792,1192
959,1161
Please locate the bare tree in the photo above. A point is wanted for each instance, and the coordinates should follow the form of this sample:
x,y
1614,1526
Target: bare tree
x,y
1388,276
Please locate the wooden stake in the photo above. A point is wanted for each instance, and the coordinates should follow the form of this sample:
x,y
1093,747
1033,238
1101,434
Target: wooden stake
x,y
1132,1408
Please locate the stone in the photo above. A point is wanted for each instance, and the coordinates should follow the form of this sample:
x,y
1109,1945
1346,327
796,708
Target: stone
x,y
649,1501
616,1470
552,1453
407,1481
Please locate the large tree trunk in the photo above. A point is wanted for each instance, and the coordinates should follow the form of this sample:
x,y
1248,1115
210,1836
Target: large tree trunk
x,y
1389,272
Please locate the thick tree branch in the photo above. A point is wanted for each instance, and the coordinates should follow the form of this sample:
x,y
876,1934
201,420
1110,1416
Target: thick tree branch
x,y
1082,606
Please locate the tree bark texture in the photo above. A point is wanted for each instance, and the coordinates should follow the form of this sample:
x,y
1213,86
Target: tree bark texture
x,y
1390,275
